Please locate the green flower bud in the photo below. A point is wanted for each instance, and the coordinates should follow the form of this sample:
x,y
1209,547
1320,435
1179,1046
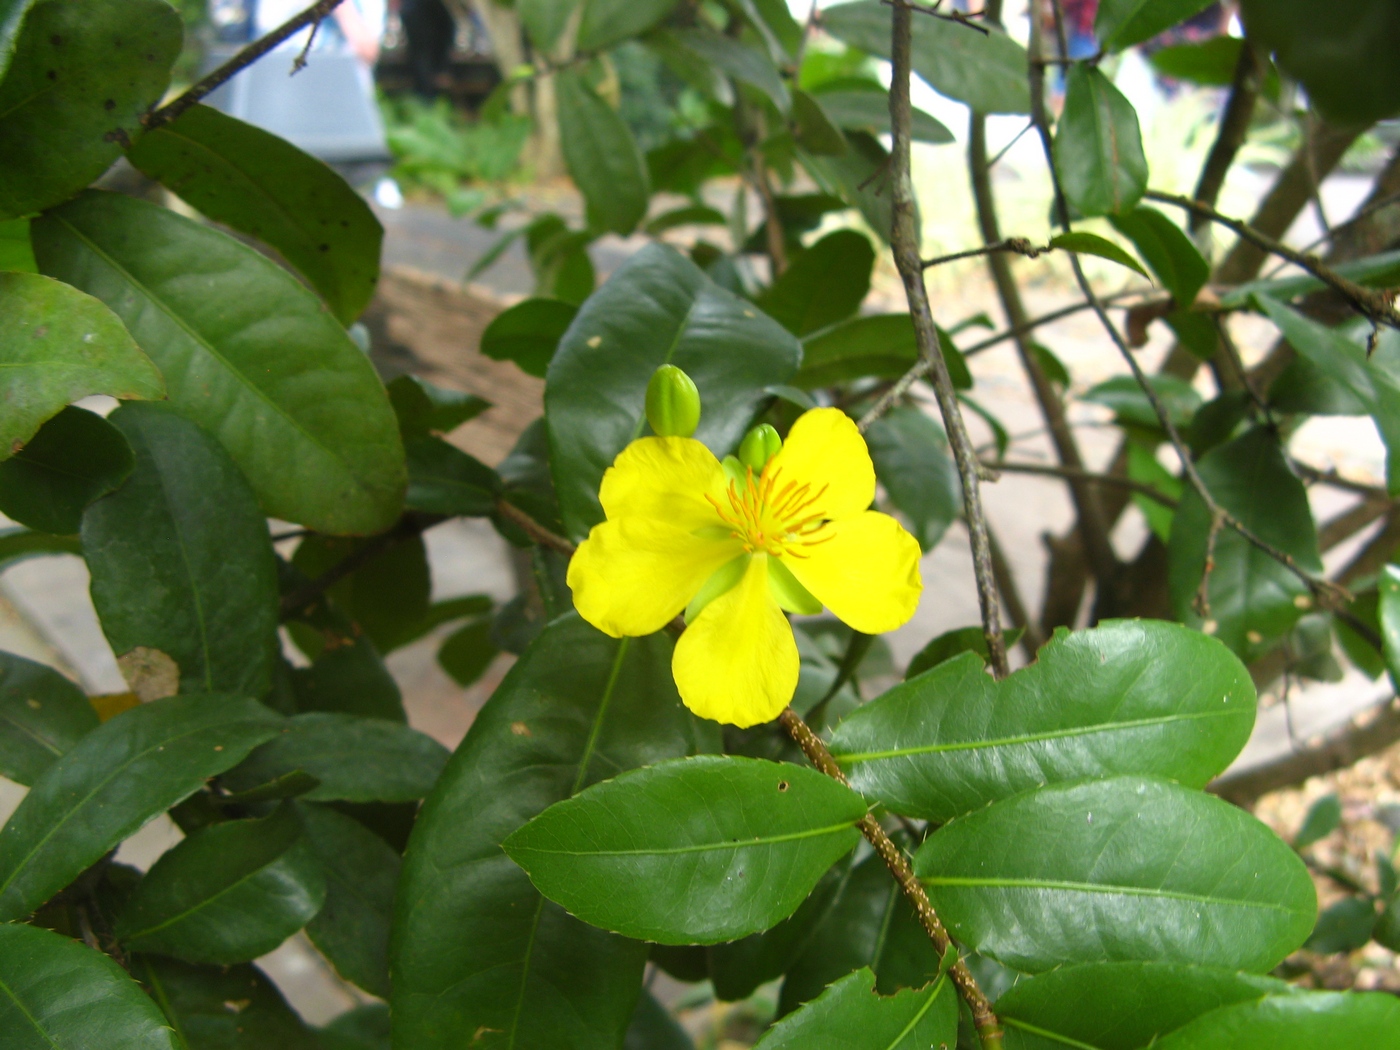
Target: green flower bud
x,y
673,403
759,446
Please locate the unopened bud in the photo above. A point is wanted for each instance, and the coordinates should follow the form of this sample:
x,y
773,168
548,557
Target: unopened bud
x,y
759,446
673,403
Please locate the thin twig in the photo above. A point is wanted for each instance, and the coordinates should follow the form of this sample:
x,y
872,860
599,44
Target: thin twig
x,y
1234,129
1201,601
1049,470
537,532
1035,322
1001,153
1016,245
245,58
962,18
985,1019
904,241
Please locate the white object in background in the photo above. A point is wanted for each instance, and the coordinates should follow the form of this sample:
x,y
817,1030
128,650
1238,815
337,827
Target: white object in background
x,y
387,194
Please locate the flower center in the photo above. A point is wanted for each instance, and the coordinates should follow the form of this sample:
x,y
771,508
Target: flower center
x,y
769,516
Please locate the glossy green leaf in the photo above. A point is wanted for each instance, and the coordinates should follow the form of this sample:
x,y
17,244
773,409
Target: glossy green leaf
x,y
609,22
181,560
222,1007
477,952
1323,817
226,893
59,345
701,850
310,427
1092,244
114,780
1254,600
1098,145
1175,260
1120,24
361,871
1295,1022
952,643
355,759
75,457
423,408
82,75
602,156
657,308
528,333
869,111
851,1016
387,597
744,63
877,345
987,71
16,253
1134,1003
1128,696
653,1028
58,994
824,285
442,479
262,185
42,715
912,462
1126,868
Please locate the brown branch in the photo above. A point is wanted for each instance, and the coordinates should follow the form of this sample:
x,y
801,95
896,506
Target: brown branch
x,y
245,58
1234,129
1054,315
1142,488
410,525
1016,245
537,532
904,241
985,1019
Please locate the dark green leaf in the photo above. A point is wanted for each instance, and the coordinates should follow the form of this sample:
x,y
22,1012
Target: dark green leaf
x,y
1135,1003
824,285
442,479
227,893
914,465
57,994
83,74
1128,696
114,780
253,181
952,643
653,1028
609,22
1254,600
559,256
1122,869
1324,817
1344,926
468,651
1173,257
1295,1022
1196,331
1122,23
387,597
477,953
350,678
851,1016
181,559
251,354
361,871
16,253
223,1007
855,178
17,545
59,345
746,64
686,215
1373,271
363,1028
355,759
878,345
528,333
1092,244
704,849
814,130
869,111
1146,469
544,20
74,458
657,308
987,71
1131,405
423,408
1098,146
602,156
288,785
42,715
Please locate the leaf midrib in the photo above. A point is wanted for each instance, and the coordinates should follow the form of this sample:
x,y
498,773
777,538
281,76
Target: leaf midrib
x,y
206,902
703,847
1104,888
27,1015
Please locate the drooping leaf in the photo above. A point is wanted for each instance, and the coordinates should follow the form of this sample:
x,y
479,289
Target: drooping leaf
x,y
851,1016
528,333
477,952
1128,696
58,994
262,185
1120,24
423,408
1126,868
869,111
58,345
442,479
355,759
824,285
701,850
42,715
1175,260
227,893
222,1007
657,308
912,462
361,871
1294,1022
813,129
82,75
259,363
17,545
1254,600
181,559
609,22
1098,145
1093,244
114,780
75,457
602,156
685,215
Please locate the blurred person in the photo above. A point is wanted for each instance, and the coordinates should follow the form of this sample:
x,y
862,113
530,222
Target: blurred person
x,y
430,29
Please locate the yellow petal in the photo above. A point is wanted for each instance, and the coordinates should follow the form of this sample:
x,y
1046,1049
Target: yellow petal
x,y
664,479
737,663
867,573
825,450
633,576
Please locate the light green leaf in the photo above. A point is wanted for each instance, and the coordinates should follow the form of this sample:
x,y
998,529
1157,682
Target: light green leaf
x,y
16,253
602,156
42,715
1093,244
1323,817
1295,1022
1098,145
851,1016
1131,406
1389,587
545,20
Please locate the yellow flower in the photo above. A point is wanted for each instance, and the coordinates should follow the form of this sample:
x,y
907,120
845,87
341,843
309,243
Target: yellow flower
x,y
734,550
